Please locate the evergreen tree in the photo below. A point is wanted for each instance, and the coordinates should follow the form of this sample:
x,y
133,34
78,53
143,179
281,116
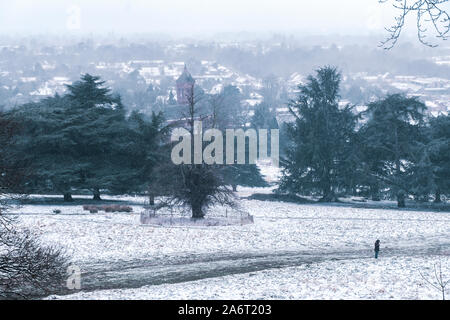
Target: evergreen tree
x,y
77,141
146,150
392,135
439,154
422,179
13,169
318,159
370,164
230,113
44,145
96,123
264,117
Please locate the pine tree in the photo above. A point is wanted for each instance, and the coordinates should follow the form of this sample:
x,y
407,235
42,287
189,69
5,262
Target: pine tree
x,y
264,117
76,141
96,123
392,134
439,150
146,150
44,145
318,160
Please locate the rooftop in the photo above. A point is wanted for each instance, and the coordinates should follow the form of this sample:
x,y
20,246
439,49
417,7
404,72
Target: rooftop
x,y
186,77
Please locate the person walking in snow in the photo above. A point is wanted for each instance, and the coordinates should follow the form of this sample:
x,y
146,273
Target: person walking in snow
x,y
377,248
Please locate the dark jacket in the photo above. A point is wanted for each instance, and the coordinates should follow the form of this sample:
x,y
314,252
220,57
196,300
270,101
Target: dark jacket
x,y
377,245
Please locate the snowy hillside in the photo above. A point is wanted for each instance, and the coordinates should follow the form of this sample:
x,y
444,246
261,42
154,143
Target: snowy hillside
x,y
303,251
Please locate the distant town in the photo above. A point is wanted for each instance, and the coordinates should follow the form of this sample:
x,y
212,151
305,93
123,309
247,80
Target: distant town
x,y
145,74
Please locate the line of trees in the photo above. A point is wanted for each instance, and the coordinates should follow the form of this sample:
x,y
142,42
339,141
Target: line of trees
x,y
86,140
391,147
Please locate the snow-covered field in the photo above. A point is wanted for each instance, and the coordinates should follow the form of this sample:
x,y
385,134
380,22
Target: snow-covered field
x,y
278,227
410,241
387,278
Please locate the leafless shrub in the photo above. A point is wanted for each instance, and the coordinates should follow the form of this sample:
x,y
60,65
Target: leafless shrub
x,y
28,268
438,282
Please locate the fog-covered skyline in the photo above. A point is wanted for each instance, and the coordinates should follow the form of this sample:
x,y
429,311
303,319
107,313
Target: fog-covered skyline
x,y
180,17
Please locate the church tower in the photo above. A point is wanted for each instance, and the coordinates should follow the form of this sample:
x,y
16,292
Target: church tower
x,y
185,87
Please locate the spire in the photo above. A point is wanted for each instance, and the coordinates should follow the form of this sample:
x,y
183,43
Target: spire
x,y
186,77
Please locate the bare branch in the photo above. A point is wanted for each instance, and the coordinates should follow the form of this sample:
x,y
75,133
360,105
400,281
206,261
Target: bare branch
x,y
438,281
431,18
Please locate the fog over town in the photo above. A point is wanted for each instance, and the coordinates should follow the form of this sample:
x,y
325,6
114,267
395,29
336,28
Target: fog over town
x,y
354,97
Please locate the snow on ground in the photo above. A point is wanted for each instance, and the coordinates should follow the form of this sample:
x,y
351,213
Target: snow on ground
x,y
271,173
277,227
385,278
114,238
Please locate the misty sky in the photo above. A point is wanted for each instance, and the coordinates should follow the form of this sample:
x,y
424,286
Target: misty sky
x,y
183,17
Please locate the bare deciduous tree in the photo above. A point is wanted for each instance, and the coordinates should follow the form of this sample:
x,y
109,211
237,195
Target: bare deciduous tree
x,y
193,186
431,16
438,282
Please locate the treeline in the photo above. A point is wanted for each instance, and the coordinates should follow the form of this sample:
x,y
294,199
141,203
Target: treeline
x,y
392,149
87,141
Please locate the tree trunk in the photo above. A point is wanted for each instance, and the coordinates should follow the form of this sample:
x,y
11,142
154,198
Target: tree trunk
x,y
401,199
328,195
437,198
151,198
375,192
400,193
326,198
197,212
68,197
97,195
422,198
327,188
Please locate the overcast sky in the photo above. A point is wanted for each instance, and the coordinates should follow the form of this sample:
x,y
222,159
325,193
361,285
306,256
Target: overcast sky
x,y
188,17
